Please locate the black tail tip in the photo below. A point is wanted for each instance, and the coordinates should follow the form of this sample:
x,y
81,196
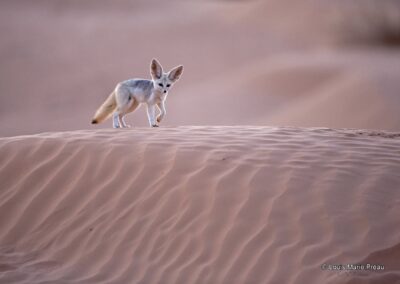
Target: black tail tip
x,y
94,121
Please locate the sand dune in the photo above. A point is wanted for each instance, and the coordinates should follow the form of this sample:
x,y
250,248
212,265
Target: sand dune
x,y
199,205
322,89
246,62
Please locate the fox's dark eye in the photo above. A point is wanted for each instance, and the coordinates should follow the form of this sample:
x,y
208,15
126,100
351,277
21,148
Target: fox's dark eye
x,y
161,85
168,85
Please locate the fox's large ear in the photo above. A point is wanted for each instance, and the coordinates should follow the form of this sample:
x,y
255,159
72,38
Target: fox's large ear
x,y
156,70
175,73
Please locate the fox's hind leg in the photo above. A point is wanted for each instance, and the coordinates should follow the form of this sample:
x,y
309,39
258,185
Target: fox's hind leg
x,y
119,121
125,102
116,120
132,107
123,123
118,117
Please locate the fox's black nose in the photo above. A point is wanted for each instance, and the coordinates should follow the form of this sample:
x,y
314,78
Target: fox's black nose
x,y
165,92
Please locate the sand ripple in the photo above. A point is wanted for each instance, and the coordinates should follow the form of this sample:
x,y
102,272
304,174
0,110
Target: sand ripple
x,y
199,205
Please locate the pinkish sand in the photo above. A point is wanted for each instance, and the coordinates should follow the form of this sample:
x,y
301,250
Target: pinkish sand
x,y
199,205
246,63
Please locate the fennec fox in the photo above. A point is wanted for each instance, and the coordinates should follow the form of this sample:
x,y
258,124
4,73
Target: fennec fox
x,y
129,94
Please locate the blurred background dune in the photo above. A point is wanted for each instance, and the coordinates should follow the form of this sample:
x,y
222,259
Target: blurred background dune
x,y
293,63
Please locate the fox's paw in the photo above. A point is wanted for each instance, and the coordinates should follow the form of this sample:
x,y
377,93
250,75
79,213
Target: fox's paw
x,y
158,119
154,125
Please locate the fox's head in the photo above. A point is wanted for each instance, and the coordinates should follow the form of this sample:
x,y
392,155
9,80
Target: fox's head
x,y
164,81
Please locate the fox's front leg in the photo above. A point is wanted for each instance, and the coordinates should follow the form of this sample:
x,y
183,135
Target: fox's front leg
x,y
151,114
163,111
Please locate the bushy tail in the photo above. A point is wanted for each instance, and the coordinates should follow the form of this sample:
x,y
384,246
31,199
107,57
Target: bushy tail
x,y
105,110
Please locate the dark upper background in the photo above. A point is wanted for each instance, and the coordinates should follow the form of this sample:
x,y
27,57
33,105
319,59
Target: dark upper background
x,y
272,62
